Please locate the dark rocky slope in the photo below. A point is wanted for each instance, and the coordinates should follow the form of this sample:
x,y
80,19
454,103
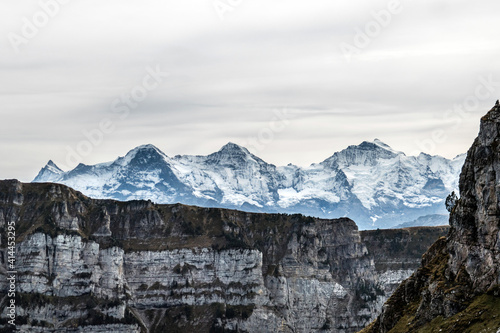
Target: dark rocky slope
x,y
456,289
109,266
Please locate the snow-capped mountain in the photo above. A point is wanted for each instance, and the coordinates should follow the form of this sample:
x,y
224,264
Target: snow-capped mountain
x,y
50,172
371,183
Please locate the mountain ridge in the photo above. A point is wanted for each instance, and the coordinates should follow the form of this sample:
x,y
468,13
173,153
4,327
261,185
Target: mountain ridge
x,y
371,183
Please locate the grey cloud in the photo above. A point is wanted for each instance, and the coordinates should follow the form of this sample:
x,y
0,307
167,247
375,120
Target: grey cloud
x,y
228,77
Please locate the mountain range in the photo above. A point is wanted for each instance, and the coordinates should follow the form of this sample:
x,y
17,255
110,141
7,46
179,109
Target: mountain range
x,y
371,183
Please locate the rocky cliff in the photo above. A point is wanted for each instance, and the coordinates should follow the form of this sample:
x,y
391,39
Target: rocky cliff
x,y
397,253
456,289
109,266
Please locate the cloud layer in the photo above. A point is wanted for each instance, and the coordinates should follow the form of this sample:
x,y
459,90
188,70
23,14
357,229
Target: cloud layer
x,y
419,83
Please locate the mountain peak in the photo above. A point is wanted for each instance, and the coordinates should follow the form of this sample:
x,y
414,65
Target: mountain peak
x,y
146,147
50,172
377,143
232,154
231,147
50,164
367,153
143,152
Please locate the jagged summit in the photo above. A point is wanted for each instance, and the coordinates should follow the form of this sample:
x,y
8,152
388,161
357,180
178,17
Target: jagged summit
x,y
376,145
233,155
231,147
52,165
146,148
141,154
385,146
367,153
492,115
50,172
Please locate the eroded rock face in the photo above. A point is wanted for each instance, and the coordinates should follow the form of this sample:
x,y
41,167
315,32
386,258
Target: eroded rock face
x,y
460,274
397,252
474,243
111,266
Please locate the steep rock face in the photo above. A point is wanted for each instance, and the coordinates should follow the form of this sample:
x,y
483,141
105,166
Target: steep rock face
x,y
370,183
457,287
398,252
141,267
474,244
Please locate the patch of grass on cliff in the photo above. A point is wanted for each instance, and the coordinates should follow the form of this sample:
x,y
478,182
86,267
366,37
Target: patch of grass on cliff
x,y
482,315
403,324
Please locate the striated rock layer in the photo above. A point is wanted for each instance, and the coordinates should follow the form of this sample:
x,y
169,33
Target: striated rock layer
x,y
109,266
456,289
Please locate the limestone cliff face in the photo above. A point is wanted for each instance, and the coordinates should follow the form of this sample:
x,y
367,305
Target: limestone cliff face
x,y
457,287
397,253
109,266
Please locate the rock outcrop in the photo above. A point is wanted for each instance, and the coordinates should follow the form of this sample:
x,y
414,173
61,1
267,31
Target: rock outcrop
x,y
110,266
456,289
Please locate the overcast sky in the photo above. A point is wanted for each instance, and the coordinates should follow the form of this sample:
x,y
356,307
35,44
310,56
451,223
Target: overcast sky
x,y
234,69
